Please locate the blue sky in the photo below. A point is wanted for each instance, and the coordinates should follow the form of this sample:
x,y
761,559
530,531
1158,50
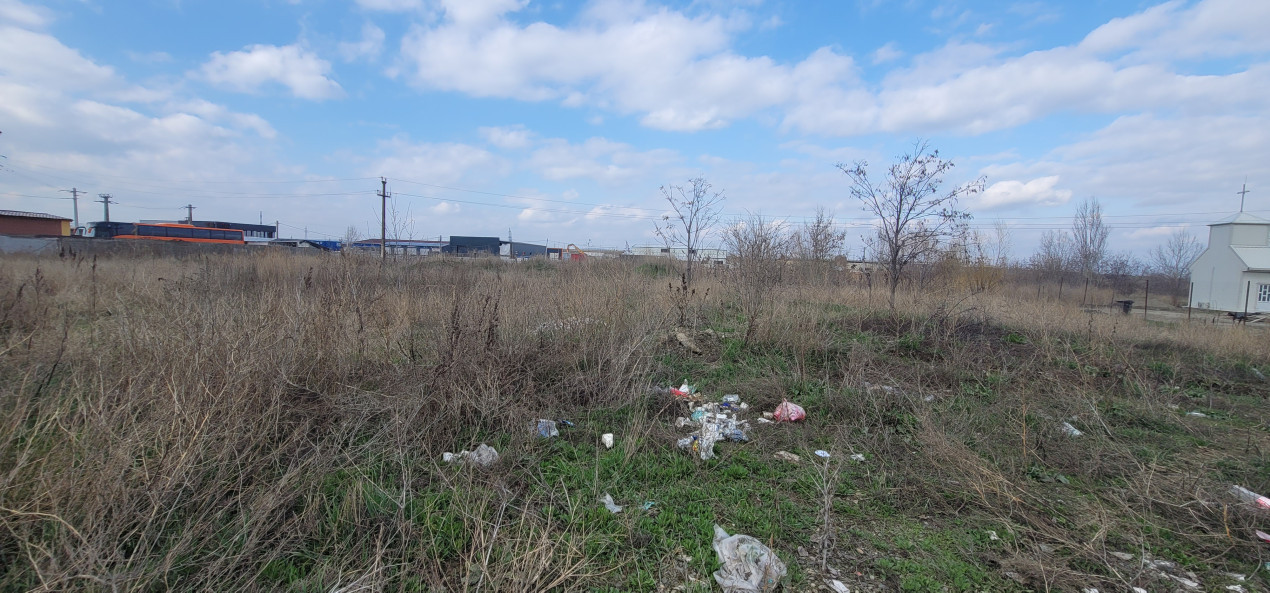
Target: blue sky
x,y
559,121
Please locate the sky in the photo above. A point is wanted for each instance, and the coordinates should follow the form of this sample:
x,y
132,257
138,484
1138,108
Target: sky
x,y
561,121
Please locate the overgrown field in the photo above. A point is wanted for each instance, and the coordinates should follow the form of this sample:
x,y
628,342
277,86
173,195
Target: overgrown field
x,y
276,422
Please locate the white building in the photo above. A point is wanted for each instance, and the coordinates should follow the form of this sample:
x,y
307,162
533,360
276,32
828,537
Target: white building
x,y
1235,269
704,255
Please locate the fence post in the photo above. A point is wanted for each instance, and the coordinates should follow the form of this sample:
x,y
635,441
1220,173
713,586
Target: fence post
x,y
1146,296
1189,303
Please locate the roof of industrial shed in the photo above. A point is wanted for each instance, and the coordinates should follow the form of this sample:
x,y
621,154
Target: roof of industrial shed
x,y
21,214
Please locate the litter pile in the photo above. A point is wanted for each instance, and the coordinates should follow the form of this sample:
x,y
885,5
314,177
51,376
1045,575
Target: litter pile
x,y
714,421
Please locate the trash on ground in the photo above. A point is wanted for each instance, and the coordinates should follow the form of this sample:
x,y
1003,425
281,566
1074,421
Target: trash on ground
x,y
789,412
684,391
857,457
484,455
1263,536
547,428
1258,373
837,586
713,422
1070,430
607,439
609,504
787,456
1122,555
648,505
748,566
822,453
992,536
763,421
1249,496
1197,414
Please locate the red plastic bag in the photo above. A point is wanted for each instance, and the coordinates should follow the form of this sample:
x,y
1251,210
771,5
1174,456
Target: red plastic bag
x,y
789,412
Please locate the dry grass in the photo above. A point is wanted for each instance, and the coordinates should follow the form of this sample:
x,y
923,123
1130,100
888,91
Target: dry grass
x,y
236,422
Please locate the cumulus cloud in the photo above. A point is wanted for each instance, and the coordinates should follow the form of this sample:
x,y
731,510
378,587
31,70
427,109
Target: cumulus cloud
x,y
368,48
298,69
699,82
1041,191
603,60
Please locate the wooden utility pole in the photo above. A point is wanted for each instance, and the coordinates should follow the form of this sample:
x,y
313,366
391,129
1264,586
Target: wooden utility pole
x,y
105,200
383,220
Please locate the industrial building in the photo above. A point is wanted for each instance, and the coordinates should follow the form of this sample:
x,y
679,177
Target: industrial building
x,y
32,224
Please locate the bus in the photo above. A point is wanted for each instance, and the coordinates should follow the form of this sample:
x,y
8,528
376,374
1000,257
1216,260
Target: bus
x,y
164,231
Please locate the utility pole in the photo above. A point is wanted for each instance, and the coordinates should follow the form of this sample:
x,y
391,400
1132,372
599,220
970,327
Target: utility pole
x,y
189,218
383,220
74,203
105,200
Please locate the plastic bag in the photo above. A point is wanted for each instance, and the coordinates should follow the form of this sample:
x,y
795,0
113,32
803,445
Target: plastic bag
x,y
789,412
748,565
546,429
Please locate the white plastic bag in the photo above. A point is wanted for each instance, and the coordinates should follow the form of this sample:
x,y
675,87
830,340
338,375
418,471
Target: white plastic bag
x,y
748,565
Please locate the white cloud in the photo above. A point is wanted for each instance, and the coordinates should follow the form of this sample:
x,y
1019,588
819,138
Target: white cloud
x,y
368,48
1037,192
598,159
476,12
443,208
391,5
605,60
43,61
298,69
24,15
510,137
887,53
434,163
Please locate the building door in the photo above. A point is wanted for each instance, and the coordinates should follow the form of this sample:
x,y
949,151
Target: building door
x,y
1263,297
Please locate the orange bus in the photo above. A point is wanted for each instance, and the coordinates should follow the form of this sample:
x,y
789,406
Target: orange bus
x,y
164,231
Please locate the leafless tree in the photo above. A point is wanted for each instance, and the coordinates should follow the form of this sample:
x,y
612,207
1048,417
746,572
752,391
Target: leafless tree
x,y
694,211
1089,235
819,240
757,249
1173,259
1055,256
351,236
914,216
1122,271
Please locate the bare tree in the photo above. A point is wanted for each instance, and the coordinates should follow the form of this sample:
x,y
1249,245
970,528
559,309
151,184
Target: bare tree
x,y
1055,256
757,249
694,212
351,236
819,240
915,217
1089,234
1173,259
